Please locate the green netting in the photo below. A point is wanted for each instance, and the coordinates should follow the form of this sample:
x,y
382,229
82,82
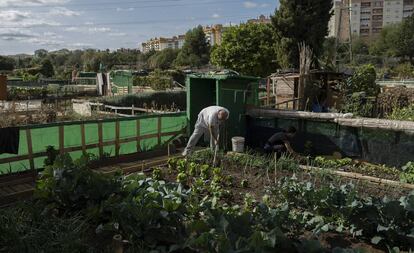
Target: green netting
x,y
48,135
91,133
44,137
73,137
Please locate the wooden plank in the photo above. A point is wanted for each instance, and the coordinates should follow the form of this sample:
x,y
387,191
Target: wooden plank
x,y
82,126
100,135
354,175
30,148
61,139
117,145
138,136
159,130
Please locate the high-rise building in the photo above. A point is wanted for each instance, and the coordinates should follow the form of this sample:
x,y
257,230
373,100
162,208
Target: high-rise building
x,y
367,18
161,43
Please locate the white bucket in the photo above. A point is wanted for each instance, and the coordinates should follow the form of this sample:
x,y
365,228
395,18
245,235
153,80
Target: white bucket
x,y
238,144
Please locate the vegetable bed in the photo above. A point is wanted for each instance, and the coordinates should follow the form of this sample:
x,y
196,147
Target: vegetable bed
x,y
246,204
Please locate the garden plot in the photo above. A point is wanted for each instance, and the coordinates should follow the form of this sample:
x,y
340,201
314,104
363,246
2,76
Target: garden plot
x,y
246,204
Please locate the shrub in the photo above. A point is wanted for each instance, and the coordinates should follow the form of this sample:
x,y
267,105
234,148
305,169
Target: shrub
x,y
157,99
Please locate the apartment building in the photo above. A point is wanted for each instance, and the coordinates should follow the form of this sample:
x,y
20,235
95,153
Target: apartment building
x,y
159,44
366,18
214,34
262,19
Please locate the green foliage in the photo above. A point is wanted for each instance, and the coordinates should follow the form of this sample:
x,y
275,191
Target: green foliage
x,y
6,63
360,46
404,43
408,173
156,100
404,71
247,49
327,59
363,80
17,93
327,163
47,69
299,21
358,104
195,51
384,45
157,80
77,210
163,59
405,113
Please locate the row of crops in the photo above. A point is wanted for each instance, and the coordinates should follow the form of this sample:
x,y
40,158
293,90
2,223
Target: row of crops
x,y
246,204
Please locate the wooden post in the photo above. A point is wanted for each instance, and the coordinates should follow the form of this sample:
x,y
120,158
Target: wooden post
x,y
62,139
83,138
159,130
100,135
30,148
117,145
138,135
133,110
268,91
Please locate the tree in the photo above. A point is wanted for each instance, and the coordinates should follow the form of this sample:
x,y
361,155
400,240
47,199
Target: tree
x,y
40,53
248,49
6,63
195,51
163,59
405,42
359,46
384,45
47,68
299,21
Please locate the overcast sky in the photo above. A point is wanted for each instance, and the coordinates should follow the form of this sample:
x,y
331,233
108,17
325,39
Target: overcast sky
x,y
27,25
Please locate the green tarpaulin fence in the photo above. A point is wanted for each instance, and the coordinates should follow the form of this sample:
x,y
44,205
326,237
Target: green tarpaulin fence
x,y
112,137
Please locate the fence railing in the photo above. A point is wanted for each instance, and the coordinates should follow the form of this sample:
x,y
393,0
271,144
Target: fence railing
x,y
112,137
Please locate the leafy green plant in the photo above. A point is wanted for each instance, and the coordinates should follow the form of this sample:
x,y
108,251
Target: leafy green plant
x,y
406,113
157,174
407,176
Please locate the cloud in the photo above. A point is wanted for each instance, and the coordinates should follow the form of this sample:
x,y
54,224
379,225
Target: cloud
x,y
72,29
264,5
16,35
80,45
14,16
61,11
99,29
25,3
250,5
124,9
45,41
117,34
90,30
23,19
215,15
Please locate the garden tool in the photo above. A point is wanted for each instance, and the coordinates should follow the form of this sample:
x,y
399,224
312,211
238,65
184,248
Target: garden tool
x,y
215,151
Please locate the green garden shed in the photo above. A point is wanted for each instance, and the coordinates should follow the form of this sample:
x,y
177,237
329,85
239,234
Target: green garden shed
x,y
122,78
231,91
